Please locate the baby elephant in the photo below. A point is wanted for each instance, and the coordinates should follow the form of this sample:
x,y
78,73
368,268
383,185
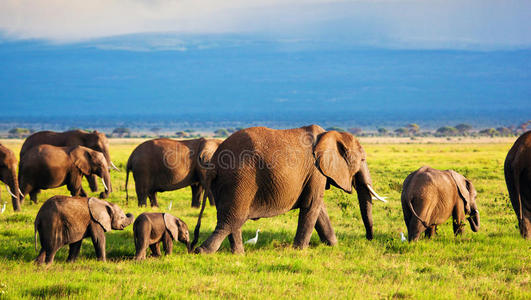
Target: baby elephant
x,y
66,220
152,228
430,197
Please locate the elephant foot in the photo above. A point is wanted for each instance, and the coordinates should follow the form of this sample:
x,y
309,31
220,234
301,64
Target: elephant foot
x,y
331,242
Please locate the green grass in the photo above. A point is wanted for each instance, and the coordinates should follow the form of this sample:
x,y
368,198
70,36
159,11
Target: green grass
x,y
493,263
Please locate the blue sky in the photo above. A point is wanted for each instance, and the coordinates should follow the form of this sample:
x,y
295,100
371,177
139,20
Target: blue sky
x,y
413,24
355,63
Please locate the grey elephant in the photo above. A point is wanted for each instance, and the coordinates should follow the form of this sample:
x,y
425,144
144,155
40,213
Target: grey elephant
x,y
152,228
66,220
517,170
261,172
431,196
165,165
94,140
47,166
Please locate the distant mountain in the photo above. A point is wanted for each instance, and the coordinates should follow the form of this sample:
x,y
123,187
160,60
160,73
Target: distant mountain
x,y
206,81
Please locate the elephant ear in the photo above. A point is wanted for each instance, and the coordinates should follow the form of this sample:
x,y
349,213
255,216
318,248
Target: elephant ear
x,y
101,212
81,159
331,159
171,225
462,188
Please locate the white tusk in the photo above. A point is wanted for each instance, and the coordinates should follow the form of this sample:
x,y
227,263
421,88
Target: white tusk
x,y
21,194
104,185
9,191
376,195
114,167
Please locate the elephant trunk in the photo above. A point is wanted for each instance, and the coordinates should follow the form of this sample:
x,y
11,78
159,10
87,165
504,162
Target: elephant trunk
x,y
107,181
127,221
362,183
473,219
14,190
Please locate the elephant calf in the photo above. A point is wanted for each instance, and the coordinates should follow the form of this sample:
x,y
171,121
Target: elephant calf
x,y
152,228
66,220
430,197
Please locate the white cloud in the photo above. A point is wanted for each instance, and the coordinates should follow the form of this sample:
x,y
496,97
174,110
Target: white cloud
x,y
384,23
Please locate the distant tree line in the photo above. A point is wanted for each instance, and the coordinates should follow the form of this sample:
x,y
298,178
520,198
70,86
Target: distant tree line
x,y
409,130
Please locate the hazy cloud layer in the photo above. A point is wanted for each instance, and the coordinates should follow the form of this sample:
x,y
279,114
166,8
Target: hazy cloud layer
x,y
380,23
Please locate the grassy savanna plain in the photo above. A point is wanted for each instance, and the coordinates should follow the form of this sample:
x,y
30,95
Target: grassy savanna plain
x,y
493,263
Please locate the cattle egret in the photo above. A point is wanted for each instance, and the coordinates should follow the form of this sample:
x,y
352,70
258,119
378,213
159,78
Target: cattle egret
x,y
169,207
253,240
3,208
402,237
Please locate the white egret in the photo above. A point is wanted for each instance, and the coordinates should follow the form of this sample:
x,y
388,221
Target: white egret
x,y
402,237
253,240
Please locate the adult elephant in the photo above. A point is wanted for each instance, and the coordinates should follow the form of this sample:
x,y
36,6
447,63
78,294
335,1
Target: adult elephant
x,y
94,140
260,172
518,178
160,165
431,196
46,166
8,175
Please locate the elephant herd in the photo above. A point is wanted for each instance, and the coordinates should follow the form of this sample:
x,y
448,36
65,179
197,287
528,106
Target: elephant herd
x,y
255,173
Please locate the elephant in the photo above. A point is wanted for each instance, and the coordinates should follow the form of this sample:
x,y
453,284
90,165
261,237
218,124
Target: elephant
x,y
94,140
46,166
431,196
152,228
8,175
517,169
66,220
261,172
163,164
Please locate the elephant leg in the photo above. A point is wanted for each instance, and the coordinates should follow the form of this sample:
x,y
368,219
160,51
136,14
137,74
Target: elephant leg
x,y
40,258
213,242
235,240
167,244
98,239
196,195
153,199
33,196
141,245
307,220
50,255
73,252
141,197
414,230
458,217
77,191
430,232
93,183
155,249
324,228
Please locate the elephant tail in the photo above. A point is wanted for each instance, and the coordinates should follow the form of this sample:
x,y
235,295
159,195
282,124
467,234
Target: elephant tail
x,y
415,214
128,168
35,233
206,194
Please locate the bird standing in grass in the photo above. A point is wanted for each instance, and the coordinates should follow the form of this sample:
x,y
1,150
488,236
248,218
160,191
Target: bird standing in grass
x,y
402,237
3,208
253,240
169,207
